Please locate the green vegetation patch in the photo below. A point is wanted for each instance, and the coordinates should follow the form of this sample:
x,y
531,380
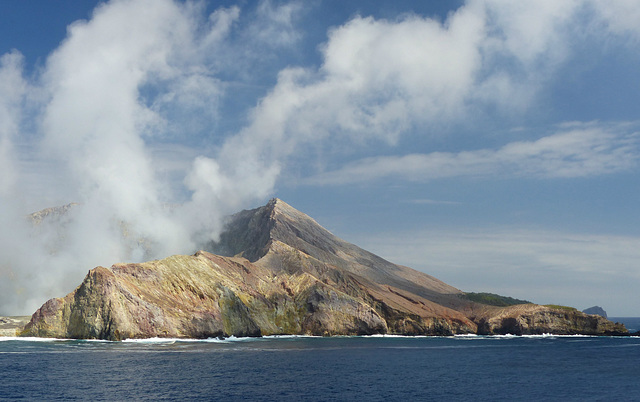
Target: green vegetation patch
x,y
558,307
493,299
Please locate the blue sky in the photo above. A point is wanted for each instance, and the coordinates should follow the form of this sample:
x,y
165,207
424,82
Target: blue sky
x,y
492,144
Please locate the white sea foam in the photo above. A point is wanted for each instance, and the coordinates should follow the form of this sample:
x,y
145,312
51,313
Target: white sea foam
x,y
151,340
290,336
158,340
559,336
234,339
512,336
229,339
396,336
31,339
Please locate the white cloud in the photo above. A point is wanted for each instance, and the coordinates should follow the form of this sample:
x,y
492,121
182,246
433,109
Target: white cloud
x,y
381,80
219,26
274,25
576,151
620,16
533,33
378,79
12,88
94,119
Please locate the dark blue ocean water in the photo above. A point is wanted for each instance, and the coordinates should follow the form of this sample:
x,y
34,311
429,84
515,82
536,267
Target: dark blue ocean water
x,y
325,369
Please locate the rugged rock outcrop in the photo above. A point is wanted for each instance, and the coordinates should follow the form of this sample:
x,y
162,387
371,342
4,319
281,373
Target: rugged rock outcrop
x,y
532,319
276,271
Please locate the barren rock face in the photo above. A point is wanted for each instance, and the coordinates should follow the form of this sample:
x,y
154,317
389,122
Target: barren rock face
x,y
282,274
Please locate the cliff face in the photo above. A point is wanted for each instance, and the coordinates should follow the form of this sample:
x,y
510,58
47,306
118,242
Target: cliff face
x,y
200,296
281,273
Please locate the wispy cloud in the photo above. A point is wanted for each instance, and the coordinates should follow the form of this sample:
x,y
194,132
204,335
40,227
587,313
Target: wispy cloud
x,y
275,25
579,150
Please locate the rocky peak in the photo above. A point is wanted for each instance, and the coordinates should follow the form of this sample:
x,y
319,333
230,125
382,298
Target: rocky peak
x,y
246,234
252,233
249,233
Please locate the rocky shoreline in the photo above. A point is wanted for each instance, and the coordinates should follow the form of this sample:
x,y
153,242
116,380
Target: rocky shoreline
x,y
14,326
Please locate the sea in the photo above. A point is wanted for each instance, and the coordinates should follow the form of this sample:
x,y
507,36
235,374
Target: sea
x,y
293,368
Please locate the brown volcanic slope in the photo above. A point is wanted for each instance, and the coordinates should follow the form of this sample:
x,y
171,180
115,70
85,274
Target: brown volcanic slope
x,y
279,272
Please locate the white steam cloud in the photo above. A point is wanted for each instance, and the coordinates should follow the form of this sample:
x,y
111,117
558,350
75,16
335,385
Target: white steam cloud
x,y
122,118
106,98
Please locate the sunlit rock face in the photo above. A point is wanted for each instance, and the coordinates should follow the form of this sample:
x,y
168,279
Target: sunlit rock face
x,y
276,271
201,296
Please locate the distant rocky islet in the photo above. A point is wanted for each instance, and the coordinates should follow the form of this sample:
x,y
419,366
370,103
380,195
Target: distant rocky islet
x,y
597,310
